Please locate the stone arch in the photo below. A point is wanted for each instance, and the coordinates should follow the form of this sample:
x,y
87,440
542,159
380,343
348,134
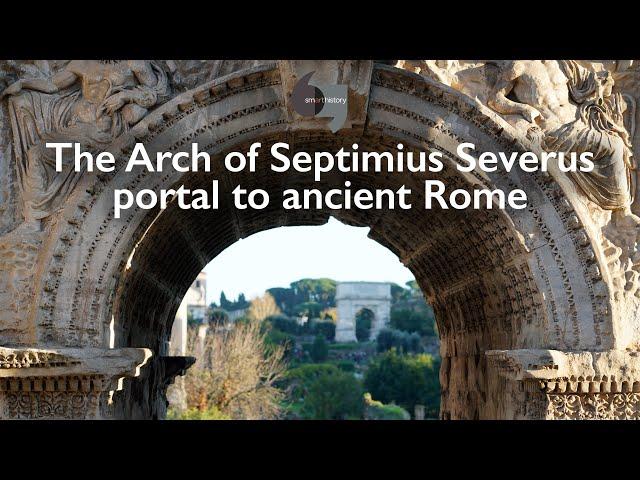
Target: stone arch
x,y
498,280
351,297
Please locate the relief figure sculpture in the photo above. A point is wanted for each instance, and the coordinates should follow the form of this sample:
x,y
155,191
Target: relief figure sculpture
x,y
576,111
90,102
562,106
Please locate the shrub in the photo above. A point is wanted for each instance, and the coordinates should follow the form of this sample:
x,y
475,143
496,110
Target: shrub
x,y
421,321
334,396
309,309
217,316
319,349
299,379
345,346
346,365
375,410
404,342
212,413
325,328
406,380
279,338
284,324
236,372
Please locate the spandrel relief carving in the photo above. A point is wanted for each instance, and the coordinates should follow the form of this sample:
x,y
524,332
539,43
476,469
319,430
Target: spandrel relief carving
x,y
88,101
561,104
568,106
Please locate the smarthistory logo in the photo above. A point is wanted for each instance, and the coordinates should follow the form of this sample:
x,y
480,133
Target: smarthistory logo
x,y
320,101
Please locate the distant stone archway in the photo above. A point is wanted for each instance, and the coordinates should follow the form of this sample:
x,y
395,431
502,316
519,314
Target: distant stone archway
x,y
351,297
518,295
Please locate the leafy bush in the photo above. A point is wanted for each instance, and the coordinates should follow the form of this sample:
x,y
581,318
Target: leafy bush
x,y
217,316
345,346
325,328
212,413
346,365
285,340
299,379
375,410
309,309
404,342
406,380
284,324
333,396
309,371
319,349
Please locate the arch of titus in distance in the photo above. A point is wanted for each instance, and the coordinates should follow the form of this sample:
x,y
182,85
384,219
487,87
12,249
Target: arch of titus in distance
x,y
353,297
538,309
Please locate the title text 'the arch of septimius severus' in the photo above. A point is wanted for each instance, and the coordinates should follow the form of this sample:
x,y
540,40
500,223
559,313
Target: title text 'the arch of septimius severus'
x,y
537,309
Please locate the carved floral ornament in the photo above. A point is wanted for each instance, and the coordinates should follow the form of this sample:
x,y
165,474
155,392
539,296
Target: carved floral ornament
x,y
580,385
66,383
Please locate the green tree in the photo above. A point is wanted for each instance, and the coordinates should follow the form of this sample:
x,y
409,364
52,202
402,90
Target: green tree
x,y
285,298
278,338
298,379
413,286
406,380
325,328
309,309
403,342
319,349
284,324
334,396
398,292
224,303
320,290
421,321
241,303
217,316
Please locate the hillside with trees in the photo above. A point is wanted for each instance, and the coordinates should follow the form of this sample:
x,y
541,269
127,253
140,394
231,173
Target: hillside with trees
x,y
278,358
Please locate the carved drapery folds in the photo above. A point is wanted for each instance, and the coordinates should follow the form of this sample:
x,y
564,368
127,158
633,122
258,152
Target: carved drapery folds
x,y
570,106
560,103
89,102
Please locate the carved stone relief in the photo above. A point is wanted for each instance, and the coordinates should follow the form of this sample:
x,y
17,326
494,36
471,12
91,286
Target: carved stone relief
x,y
568,106
562,274
64,383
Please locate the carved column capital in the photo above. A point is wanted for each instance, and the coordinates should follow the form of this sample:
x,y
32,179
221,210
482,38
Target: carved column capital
x,y
64,383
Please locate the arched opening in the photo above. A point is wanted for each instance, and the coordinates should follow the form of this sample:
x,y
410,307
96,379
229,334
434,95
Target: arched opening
x,y
293,293
365,324
496,279
471,277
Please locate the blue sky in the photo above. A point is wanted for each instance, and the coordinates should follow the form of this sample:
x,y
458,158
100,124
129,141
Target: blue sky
x,y
275,258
